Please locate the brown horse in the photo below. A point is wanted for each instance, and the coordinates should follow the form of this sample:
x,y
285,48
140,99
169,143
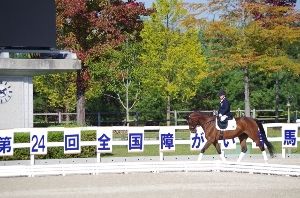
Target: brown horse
x,y
246,127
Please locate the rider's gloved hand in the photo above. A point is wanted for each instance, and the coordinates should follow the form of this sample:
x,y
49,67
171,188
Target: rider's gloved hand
x,y
222,118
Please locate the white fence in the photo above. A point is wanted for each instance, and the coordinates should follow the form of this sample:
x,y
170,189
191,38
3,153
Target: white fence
x,y
35,140
149,167
38,145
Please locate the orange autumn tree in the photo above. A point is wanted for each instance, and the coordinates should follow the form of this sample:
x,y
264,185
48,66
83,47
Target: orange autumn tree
x,y
276,27
89,27
250,35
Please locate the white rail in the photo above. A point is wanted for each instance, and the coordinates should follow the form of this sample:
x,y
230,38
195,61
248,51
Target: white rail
x,y
154,167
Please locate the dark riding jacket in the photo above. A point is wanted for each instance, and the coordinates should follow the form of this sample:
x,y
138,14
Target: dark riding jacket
x,y
224,108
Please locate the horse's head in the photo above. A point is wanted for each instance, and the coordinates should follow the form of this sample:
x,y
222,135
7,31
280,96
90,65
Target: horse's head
x,y
192,122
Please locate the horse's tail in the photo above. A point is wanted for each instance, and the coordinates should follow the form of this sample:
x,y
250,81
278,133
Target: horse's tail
x,y
264,138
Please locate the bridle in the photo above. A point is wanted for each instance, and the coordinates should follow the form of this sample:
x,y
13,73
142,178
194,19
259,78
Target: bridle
x,y
193,128
209,121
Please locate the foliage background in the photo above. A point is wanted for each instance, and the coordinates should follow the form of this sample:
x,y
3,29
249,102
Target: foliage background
x,y
272,59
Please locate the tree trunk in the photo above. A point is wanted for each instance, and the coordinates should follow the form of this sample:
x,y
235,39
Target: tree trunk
x,y
168,111
276,99
247,93
67,119
80,100
127,102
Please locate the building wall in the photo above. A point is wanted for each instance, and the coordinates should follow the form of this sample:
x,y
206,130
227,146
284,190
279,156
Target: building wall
x,y
17,112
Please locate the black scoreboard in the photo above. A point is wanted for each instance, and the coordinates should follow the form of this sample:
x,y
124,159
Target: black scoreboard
x,y
27,24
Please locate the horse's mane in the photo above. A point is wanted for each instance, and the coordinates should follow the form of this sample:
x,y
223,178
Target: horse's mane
x,y
197,112
201,113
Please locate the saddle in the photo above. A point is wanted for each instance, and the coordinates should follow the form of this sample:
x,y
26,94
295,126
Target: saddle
x,y
228,124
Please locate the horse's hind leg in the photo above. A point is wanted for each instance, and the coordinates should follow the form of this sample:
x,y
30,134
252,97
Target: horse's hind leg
x,y
262,148
243,143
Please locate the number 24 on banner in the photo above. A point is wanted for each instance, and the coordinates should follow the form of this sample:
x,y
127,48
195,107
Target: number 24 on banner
x,y
38,142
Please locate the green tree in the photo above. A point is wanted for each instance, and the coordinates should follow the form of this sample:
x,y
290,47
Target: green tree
x,y
172,56
119,67
58,90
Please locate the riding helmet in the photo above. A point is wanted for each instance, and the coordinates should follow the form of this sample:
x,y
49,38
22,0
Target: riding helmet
x,y
221,93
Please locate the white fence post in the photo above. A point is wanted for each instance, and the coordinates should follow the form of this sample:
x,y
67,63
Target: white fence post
x,y
161,156
175,117
253,111
98,157
283,154
31,159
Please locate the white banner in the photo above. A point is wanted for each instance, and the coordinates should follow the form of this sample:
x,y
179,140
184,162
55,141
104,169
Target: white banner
x,y
38,142
228,143
72,141
104,140
197,139
289,136
6,143
167,139
136,139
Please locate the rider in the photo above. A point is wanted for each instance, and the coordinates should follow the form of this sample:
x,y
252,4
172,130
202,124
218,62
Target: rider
x,y
224,108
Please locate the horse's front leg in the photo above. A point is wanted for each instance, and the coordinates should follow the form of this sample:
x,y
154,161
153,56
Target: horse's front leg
x,y
218,148
243,143
206,145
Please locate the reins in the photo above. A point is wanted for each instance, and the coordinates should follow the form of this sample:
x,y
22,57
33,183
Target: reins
x,y
221,132
208,122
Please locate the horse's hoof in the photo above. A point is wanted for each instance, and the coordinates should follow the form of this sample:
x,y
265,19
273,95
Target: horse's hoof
x,y
200,157
222,158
